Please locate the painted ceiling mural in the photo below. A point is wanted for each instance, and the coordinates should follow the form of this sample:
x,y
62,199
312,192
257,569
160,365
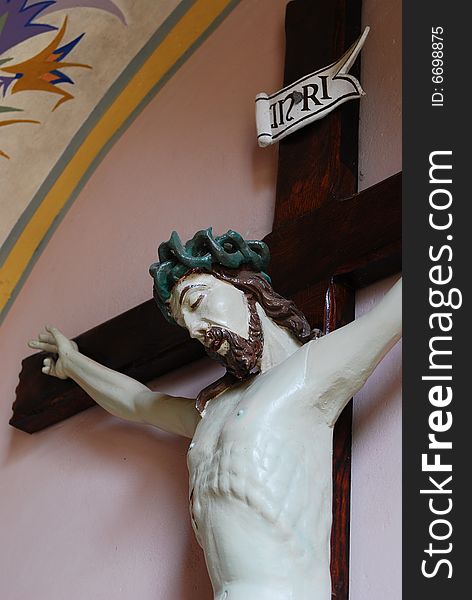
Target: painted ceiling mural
x,y
43,71
73,74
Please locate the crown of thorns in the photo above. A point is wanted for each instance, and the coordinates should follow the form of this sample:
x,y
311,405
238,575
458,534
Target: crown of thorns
x,y
204,252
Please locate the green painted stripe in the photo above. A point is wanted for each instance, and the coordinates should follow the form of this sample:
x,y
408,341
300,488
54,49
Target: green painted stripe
x,y
3,20
4,109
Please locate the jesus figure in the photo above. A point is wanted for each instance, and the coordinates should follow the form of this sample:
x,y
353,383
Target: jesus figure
x,y
260,459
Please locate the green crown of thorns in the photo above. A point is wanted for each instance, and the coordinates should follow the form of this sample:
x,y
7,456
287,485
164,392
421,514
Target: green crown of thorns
x,y
204,252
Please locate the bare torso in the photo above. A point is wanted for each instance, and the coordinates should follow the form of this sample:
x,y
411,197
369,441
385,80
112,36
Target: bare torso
x,y
260,489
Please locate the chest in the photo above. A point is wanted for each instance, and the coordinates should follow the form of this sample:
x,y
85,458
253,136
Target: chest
x,y
260,448
259,424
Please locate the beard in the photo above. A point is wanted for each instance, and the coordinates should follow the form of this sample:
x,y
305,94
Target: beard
x,y
239,355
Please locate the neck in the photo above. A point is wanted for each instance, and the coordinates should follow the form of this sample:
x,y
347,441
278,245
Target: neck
x,y
279,343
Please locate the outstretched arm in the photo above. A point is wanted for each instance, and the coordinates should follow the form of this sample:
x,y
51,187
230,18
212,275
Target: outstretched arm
x,y
118,394
339,364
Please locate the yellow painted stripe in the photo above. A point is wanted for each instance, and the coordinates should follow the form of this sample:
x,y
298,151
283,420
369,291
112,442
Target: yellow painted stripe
x,y
186,32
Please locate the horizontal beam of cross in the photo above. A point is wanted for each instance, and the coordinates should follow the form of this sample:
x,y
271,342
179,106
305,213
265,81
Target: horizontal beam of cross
x,y
359,236
143,345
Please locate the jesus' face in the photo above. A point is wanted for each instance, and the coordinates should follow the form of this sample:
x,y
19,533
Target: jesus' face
x,y
201,301
221,317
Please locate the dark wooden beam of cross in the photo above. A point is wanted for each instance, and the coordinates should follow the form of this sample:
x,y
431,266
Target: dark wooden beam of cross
x,y
327,240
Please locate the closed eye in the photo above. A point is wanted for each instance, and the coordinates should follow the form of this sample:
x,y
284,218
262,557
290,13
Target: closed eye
x,y
197,302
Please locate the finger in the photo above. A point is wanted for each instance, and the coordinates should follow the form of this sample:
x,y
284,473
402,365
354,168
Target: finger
x,y
45,347
50,370
35,344
49,366
46,337
58,336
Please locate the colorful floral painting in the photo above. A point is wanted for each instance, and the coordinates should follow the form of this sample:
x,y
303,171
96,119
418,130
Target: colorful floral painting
x,y
45,71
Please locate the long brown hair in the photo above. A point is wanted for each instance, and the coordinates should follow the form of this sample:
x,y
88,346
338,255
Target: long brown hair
x,y
279,309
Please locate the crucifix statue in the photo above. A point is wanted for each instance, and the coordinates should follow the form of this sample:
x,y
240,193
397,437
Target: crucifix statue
x,y
261,451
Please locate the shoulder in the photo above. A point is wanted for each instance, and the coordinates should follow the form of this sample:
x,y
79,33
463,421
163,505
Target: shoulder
x,y
298,379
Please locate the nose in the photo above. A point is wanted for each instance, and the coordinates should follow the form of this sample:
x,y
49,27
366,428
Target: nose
x,y
194,326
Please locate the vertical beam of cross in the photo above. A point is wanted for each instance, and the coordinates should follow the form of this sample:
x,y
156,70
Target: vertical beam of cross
x,y
318,165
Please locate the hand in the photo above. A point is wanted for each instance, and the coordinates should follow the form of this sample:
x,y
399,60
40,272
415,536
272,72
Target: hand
x,y
54,341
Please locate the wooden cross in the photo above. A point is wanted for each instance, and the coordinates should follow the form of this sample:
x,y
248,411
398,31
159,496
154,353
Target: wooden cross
x,y
326,242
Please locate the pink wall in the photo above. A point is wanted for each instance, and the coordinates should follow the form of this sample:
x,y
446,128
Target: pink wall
x,y
376,492
94,507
